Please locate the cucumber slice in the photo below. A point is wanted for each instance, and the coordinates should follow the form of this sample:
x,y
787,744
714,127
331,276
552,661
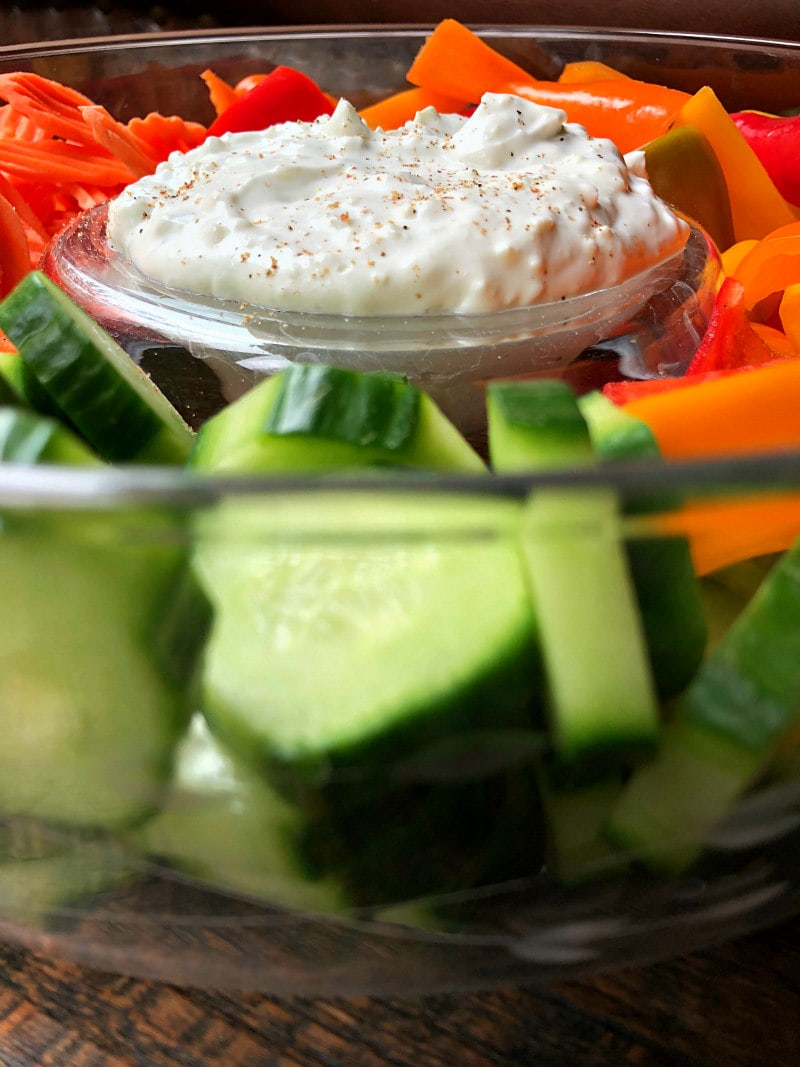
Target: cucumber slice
x,y
732,720
91,718
89,378
348,662
602,702
20,387
224,824
577,848
345,627
26,437
667,589
319,417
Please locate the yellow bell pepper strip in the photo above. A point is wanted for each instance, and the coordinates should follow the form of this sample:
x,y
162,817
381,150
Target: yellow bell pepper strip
x,y
456,62
757,206
771,265
789,313
394,111
684,171
729,340
775,139
751,411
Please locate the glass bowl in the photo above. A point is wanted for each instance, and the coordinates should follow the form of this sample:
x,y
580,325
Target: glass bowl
x,y
141,843
647,326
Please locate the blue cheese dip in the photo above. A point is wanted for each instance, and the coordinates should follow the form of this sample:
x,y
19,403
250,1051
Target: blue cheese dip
x,y
510,207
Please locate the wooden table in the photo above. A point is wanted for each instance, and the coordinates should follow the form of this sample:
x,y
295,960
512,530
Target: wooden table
x,y
737,1005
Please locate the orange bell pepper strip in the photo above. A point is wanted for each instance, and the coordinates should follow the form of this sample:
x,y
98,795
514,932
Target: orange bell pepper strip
x,y
456,62
396,110
757,206
752,411
220,93
733,256
778,341
789,313
770,265
588,70
723,532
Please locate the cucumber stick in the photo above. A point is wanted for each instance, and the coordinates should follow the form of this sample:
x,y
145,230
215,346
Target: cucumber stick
x,y
91,715
90,379
223,823
601,696
741,707
319,417
667,589
26,437
333,643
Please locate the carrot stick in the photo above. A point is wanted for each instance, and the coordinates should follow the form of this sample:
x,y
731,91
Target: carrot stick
x,y
752,411
394,111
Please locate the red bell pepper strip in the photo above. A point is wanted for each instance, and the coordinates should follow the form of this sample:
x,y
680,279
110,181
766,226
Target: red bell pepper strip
x,y
730,340
625,392
284,95
775,139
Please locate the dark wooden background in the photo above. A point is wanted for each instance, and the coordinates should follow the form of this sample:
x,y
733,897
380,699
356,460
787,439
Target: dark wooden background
x,y
737,1005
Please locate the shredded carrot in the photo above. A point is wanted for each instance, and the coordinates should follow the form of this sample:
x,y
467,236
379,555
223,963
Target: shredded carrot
x,y
220,93
160,135
58,161
15,260
118,140
55,108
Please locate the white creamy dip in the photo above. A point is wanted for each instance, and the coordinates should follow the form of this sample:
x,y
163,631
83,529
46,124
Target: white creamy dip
x,y
510,207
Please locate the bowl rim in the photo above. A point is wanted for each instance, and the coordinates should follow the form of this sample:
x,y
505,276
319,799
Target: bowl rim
x,y
51,487
166,38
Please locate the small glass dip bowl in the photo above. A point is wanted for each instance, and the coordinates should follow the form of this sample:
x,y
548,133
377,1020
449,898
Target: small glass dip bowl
x,y
646,326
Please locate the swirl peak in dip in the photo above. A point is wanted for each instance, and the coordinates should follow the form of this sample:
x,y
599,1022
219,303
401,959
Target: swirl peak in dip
x,y
510,207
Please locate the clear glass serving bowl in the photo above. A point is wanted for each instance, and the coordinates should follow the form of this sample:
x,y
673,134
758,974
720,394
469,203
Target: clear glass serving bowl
x,y
148,846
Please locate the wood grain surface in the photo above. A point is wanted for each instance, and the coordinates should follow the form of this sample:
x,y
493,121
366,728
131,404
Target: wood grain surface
x,y
737,1005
